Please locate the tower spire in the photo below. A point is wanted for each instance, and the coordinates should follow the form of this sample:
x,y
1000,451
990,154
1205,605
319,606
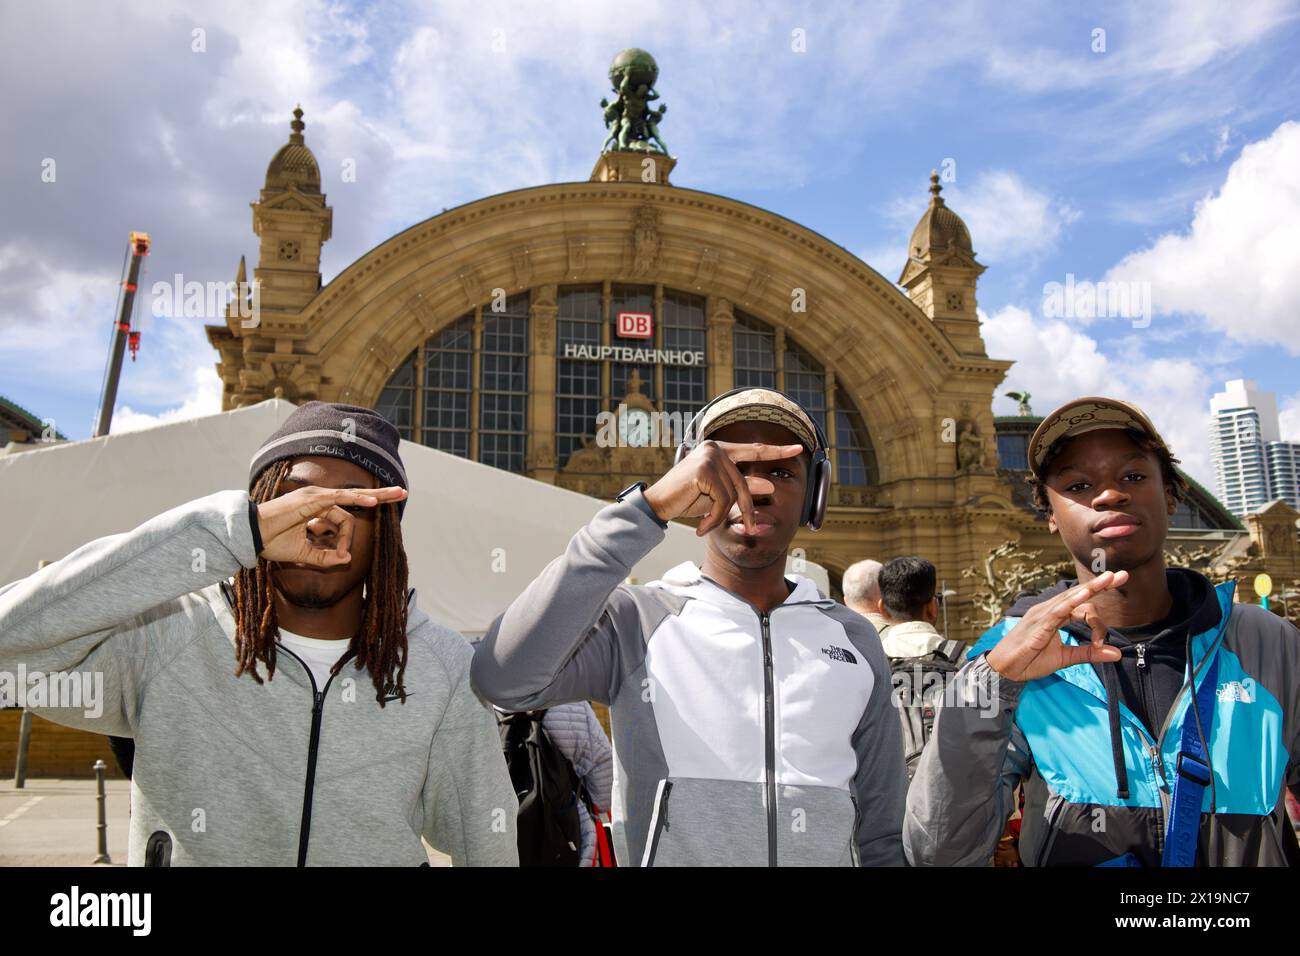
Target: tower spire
x,y
297,126
935,188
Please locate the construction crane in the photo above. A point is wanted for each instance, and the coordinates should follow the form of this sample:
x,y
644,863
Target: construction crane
x,y
124,336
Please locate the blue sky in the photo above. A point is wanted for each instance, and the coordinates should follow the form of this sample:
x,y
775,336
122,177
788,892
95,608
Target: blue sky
x,y
1163,150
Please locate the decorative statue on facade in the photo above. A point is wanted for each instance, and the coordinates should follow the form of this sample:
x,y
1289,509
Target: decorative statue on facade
x,y
633,126
970,446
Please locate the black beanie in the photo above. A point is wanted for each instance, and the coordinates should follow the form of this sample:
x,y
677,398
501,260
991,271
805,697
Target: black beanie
x,y
359,435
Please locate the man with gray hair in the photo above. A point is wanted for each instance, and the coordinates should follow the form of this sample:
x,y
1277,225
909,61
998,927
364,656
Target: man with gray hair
x,y
862,592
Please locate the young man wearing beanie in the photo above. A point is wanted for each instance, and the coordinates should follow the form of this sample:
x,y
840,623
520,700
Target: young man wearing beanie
x,y
1150,719
751,716
288,701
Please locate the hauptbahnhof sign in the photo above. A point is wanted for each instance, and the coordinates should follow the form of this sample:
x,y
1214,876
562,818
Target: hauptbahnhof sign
x,y
626,353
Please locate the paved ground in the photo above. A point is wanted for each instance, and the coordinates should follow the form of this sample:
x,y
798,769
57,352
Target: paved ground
x,y
52,823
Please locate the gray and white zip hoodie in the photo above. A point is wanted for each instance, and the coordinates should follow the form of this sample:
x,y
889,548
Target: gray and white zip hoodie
x,y
740,738
232,772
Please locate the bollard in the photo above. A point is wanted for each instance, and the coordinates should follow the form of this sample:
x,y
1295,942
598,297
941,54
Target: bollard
x,y
102,826
24,740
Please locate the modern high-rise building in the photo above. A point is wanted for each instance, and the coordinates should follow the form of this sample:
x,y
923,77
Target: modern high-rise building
x,y
1252,464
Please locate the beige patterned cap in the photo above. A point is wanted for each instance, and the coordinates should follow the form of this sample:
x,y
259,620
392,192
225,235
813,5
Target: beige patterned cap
x,y
760,405
1086,415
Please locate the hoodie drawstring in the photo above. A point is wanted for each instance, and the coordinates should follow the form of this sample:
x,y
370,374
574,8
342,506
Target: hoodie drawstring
x,y
1110,677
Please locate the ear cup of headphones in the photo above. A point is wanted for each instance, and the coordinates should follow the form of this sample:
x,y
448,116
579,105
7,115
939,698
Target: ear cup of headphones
x,y
821,494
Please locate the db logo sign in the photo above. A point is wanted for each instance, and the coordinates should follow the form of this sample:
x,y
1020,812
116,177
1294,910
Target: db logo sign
x,y
636,325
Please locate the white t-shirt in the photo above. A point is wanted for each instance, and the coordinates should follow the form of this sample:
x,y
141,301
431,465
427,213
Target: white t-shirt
x,y
319,655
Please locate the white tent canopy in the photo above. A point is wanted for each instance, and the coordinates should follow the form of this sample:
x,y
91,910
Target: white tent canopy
x,y
475,535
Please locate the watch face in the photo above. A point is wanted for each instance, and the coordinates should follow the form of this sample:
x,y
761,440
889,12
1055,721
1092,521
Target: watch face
x,y
634,428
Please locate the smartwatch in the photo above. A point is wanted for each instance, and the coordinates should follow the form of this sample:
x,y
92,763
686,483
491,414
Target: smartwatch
x,y
640,502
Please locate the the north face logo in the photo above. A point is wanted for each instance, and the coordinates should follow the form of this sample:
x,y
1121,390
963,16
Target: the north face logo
x,y
1242,692
839,654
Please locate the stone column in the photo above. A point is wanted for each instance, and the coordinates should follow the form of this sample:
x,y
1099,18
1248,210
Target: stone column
x,y
721,355
540,461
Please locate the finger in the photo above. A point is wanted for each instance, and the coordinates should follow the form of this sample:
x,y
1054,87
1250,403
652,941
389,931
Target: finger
x,y
742,496
1112,579
1089,654
1088,614
339,523
757,451
319,498
1080,593
344,547
720,492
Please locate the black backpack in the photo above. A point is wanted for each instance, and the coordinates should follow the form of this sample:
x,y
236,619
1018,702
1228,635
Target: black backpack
x,y
550,831
918,686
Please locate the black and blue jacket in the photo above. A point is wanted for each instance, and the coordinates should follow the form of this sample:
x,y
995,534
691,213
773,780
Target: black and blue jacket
x,y
1097,781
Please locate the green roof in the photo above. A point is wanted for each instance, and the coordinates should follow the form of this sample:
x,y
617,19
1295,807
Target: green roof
x,y
36,422
1213,502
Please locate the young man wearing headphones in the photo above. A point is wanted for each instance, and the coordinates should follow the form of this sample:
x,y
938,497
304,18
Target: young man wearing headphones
x,y
751,716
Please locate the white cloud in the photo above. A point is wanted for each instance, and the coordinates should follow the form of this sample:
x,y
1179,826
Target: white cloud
x,y
1236,265
204,399
1009,220
1056,362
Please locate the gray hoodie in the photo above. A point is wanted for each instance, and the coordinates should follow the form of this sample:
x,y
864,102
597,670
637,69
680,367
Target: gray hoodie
x,y
229,771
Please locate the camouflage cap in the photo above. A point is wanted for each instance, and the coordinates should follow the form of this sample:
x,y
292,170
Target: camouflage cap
x,y
760,405
1086,415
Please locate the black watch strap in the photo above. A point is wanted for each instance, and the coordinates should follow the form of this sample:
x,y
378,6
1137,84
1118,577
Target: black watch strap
x,y
638,499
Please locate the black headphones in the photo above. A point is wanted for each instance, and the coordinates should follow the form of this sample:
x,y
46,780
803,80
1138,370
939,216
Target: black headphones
x,y
819,473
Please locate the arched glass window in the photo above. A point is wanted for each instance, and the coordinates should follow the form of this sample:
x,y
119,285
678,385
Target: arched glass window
x,y
503,385
805,382
753,353
685,388
448,371
577,381
465,391
855,458
630,298
765,358
587,317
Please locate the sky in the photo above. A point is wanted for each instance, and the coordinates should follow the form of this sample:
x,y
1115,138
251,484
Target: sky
x,y
1156,144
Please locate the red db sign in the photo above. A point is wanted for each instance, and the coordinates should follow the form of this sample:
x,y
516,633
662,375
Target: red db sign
x,y
635,325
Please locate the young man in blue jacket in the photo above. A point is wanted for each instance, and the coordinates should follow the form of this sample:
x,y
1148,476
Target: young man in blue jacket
x,y
1150,719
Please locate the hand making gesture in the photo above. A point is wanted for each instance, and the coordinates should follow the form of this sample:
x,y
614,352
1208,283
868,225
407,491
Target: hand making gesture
x,y
1033,648
707,482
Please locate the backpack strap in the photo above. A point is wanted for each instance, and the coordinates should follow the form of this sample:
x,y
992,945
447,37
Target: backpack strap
x,y
1192,776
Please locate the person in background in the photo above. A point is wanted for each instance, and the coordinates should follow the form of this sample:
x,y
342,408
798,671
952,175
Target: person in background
x,y
576,732
908,595
861,586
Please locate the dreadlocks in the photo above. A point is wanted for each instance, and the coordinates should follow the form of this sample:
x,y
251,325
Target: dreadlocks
x,y
379,646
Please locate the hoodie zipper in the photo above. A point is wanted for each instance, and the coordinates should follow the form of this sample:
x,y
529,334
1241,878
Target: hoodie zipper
x,y
769,733
769,708
317,710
